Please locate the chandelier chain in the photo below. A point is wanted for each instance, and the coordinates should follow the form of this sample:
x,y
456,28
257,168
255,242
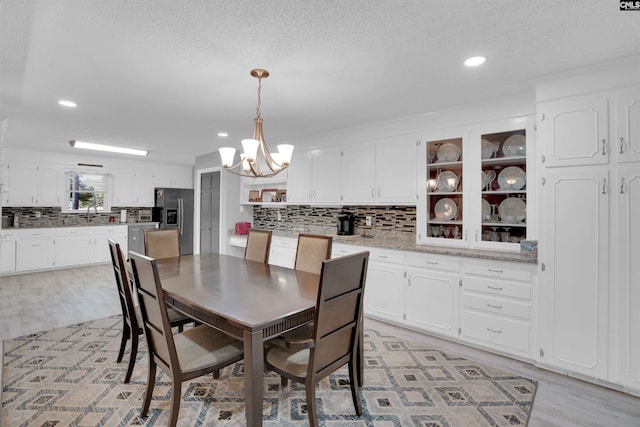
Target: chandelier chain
x,y
259,97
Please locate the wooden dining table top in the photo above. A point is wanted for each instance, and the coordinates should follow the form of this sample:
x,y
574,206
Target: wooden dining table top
x,y
250,294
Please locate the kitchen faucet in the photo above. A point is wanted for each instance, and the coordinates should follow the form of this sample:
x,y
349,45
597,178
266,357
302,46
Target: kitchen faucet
x,y
95,208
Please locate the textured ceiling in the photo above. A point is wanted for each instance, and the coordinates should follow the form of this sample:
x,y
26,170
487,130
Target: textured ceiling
x,y
169,75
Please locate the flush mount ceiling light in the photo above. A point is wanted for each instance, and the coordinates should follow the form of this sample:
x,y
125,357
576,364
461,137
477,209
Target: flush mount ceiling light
x,y
109,148
475,61
223,134
256,154
67,103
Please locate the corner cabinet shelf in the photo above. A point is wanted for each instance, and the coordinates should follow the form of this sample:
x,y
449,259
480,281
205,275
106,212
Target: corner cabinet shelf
x,y
254,190
473,186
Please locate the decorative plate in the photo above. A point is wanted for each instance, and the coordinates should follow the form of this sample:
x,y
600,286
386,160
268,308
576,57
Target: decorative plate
x,y
512,210
515,145
488,148
512,178
447,181
445,208
448,153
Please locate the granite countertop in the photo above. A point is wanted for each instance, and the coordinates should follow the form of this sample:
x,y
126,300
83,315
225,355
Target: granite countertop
x,y
406,242
60,224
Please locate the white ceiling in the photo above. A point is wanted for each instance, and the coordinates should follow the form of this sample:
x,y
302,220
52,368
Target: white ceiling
x,y
167,75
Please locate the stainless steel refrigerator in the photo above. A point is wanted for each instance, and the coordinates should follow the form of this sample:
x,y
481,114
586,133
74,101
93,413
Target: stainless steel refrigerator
x,y
174,209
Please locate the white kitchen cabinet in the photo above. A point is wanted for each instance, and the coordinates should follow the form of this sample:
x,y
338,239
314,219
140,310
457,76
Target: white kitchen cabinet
x,y
172,180
72,246
380,173
30,184
100,245
314,177
396,171
496,306
432,293
475,186
133,189
575,255
358,174
8,251
386,284
35,249
627,113
575,131
283,251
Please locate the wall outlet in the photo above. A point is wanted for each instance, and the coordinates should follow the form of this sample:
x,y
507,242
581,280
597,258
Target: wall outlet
x,y
367,220
38,214
279,216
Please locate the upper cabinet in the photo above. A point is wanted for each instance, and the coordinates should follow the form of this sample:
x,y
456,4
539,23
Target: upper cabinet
x,y
173,180
133,189
627,112
314,177
29,184
473,186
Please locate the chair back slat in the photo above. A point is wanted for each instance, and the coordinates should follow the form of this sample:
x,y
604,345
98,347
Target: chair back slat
x,y
258,245
338,311
153,310
312,250
162,243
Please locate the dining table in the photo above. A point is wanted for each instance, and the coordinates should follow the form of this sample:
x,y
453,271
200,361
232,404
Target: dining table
x,y
249,300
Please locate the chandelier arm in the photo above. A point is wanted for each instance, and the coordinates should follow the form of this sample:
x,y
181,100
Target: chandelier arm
x,y
268,175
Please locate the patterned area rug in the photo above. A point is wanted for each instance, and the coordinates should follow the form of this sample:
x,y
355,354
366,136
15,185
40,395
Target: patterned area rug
x,y
68,377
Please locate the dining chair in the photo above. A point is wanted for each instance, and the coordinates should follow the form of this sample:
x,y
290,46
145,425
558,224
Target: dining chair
x,y
184,356
312,250
162,242
336,332
258,245
131,320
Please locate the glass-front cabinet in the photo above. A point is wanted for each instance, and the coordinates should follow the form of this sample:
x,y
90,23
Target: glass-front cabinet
x,y
473,186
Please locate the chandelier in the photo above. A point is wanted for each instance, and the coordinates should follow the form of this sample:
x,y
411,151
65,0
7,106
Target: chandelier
x,y
257,161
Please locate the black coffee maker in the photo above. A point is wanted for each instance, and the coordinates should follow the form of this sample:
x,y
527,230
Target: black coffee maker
x,y
346,224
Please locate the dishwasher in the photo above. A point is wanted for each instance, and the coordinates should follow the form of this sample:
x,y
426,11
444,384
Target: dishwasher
x,y
136,236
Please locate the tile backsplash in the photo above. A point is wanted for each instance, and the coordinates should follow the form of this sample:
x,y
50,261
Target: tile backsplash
x,y
53,216
401,219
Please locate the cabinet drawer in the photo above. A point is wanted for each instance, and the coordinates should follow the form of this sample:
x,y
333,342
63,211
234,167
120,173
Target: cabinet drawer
x,y
338,250
240,241
78,231
497,306
35,232
395,257
496,331
500,270
434,262
6,236
497,287
114,229
284,242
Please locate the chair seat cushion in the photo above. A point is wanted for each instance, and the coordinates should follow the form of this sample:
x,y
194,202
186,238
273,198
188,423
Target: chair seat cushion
x,y
203,346
293,362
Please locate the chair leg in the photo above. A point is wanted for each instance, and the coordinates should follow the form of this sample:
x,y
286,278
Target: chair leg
x,y
180,328
284,381
132,357
151,382
216,374
126,332
311,403
353,379
176,397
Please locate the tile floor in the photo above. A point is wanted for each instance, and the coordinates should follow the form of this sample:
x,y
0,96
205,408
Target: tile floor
x,y
41,301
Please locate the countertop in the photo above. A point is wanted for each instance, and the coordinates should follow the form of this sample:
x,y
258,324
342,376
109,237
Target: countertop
x,y
406,242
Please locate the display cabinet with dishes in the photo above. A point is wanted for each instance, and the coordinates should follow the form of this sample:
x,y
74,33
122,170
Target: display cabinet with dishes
x,y
474,192
444,188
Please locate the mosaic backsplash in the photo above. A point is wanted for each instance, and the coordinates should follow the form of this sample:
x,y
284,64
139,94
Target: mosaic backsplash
x,y
53,216
324,220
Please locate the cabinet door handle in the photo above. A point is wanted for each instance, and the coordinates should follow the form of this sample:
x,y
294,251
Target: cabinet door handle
x,y
476,235
383,256
622,185
432,262
604,185
497,307
621,144
495,271
494,288
493,331
604,146
378,191
373,193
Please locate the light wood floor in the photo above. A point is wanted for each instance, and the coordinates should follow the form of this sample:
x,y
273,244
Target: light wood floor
x,y
40,301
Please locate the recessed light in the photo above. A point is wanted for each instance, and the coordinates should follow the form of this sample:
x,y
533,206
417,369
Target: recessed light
x,y
223,134
66,103
475,61
110,148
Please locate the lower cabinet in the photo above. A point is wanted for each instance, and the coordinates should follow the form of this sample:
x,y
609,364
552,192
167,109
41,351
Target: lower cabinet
x,y
42,249
8,251
385,287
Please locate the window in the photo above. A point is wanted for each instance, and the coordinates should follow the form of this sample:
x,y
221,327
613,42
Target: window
x,y
86,191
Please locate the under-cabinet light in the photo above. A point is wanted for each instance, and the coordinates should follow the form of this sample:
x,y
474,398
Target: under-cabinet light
x,y
110,148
